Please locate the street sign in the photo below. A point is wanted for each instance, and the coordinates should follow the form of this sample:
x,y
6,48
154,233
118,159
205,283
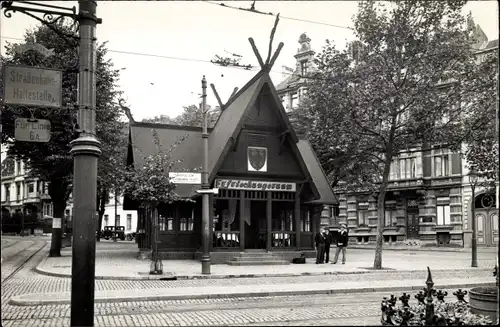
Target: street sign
x,y
32,130
185,178
56,223
32,86
209,191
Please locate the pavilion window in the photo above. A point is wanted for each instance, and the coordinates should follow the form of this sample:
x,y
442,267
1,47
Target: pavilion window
x,y
166,220
305,225
187,220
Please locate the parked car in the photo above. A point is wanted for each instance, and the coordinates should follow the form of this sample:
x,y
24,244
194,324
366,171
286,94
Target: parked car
x,y
120,232
109,231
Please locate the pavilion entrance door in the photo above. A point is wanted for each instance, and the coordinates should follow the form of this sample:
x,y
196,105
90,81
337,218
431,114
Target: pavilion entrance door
x,y
256,231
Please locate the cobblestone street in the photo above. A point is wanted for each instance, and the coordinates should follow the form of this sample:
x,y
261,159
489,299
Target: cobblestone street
x,y
335,309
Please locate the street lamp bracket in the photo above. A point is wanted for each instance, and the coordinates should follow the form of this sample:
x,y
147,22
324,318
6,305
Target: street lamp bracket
x,y
50,17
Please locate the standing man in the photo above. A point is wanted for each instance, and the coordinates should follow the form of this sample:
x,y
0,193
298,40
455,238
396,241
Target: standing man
x,y
342,239
320,246
328,242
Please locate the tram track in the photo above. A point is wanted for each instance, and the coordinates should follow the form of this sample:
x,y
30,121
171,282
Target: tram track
x,y
23,263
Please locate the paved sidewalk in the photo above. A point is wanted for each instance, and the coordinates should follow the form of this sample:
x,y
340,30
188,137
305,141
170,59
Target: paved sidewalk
x,y
413,248
255,290
118,262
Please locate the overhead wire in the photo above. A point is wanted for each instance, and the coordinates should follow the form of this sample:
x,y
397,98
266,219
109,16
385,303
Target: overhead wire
x,y
253,68
254,11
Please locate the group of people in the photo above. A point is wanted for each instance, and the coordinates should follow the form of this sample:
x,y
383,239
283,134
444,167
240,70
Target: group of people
x,y
323,240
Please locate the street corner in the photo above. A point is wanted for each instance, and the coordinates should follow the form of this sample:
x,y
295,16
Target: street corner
x,y
36,299
55,267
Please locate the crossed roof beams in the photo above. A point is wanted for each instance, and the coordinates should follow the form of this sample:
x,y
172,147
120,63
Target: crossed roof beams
x,y
264,66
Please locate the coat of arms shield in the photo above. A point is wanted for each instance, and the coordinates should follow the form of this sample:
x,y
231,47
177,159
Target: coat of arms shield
x,y
257,158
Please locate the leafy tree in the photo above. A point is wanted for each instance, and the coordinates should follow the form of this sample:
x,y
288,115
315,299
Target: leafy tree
x,y
151,183
191,116
397,87
479,130
162,119
52,161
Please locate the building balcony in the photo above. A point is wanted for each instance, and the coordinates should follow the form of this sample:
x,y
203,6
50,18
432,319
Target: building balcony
x,y
415,182
33,197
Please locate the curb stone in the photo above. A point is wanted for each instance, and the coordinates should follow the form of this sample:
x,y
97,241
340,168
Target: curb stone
x,y
19,301
419,249
171,276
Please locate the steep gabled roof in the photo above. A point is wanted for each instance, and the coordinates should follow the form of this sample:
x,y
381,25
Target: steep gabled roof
x,y
492,44
222,137
229,123
187,157
318,174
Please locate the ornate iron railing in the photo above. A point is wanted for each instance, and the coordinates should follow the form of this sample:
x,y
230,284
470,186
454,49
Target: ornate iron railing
x,y
224,239
283,239
401,316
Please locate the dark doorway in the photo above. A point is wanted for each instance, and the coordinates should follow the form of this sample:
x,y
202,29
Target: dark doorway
x,y
256,232
412,228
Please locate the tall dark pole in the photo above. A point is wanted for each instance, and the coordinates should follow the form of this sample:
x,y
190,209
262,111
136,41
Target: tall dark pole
x,y
205,258
115,233
86,150
474,240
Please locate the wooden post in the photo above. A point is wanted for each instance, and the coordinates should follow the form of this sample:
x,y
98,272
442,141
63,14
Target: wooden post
x,y
276,54
242,221
312,221
256,52
219,101
269,213
211,222
297,218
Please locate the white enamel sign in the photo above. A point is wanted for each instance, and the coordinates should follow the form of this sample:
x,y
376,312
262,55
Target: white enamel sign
x,y
33,86
32,130
185,178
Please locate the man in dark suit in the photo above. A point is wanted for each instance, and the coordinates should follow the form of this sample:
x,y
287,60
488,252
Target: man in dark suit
x,y
342,239
319,240
328,242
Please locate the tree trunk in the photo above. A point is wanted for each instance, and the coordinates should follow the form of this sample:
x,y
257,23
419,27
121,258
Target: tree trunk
x,y
377,262
101,205
59,190
56,241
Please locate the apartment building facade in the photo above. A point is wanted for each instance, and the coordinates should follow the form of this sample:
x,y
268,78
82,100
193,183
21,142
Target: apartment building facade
x,y
116,215
429,198
25,199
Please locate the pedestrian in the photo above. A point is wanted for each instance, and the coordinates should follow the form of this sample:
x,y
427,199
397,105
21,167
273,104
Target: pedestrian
x,y
320,246
328,242
342,239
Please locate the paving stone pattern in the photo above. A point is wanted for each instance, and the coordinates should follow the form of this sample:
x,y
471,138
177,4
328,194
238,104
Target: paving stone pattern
x,y
314,310
339,309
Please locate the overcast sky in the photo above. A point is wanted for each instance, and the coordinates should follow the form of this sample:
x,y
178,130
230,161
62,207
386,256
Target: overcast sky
x,y
197,30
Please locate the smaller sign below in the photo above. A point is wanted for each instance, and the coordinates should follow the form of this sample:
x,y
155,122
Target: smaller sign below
x,y
185,178
28,130
56,223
